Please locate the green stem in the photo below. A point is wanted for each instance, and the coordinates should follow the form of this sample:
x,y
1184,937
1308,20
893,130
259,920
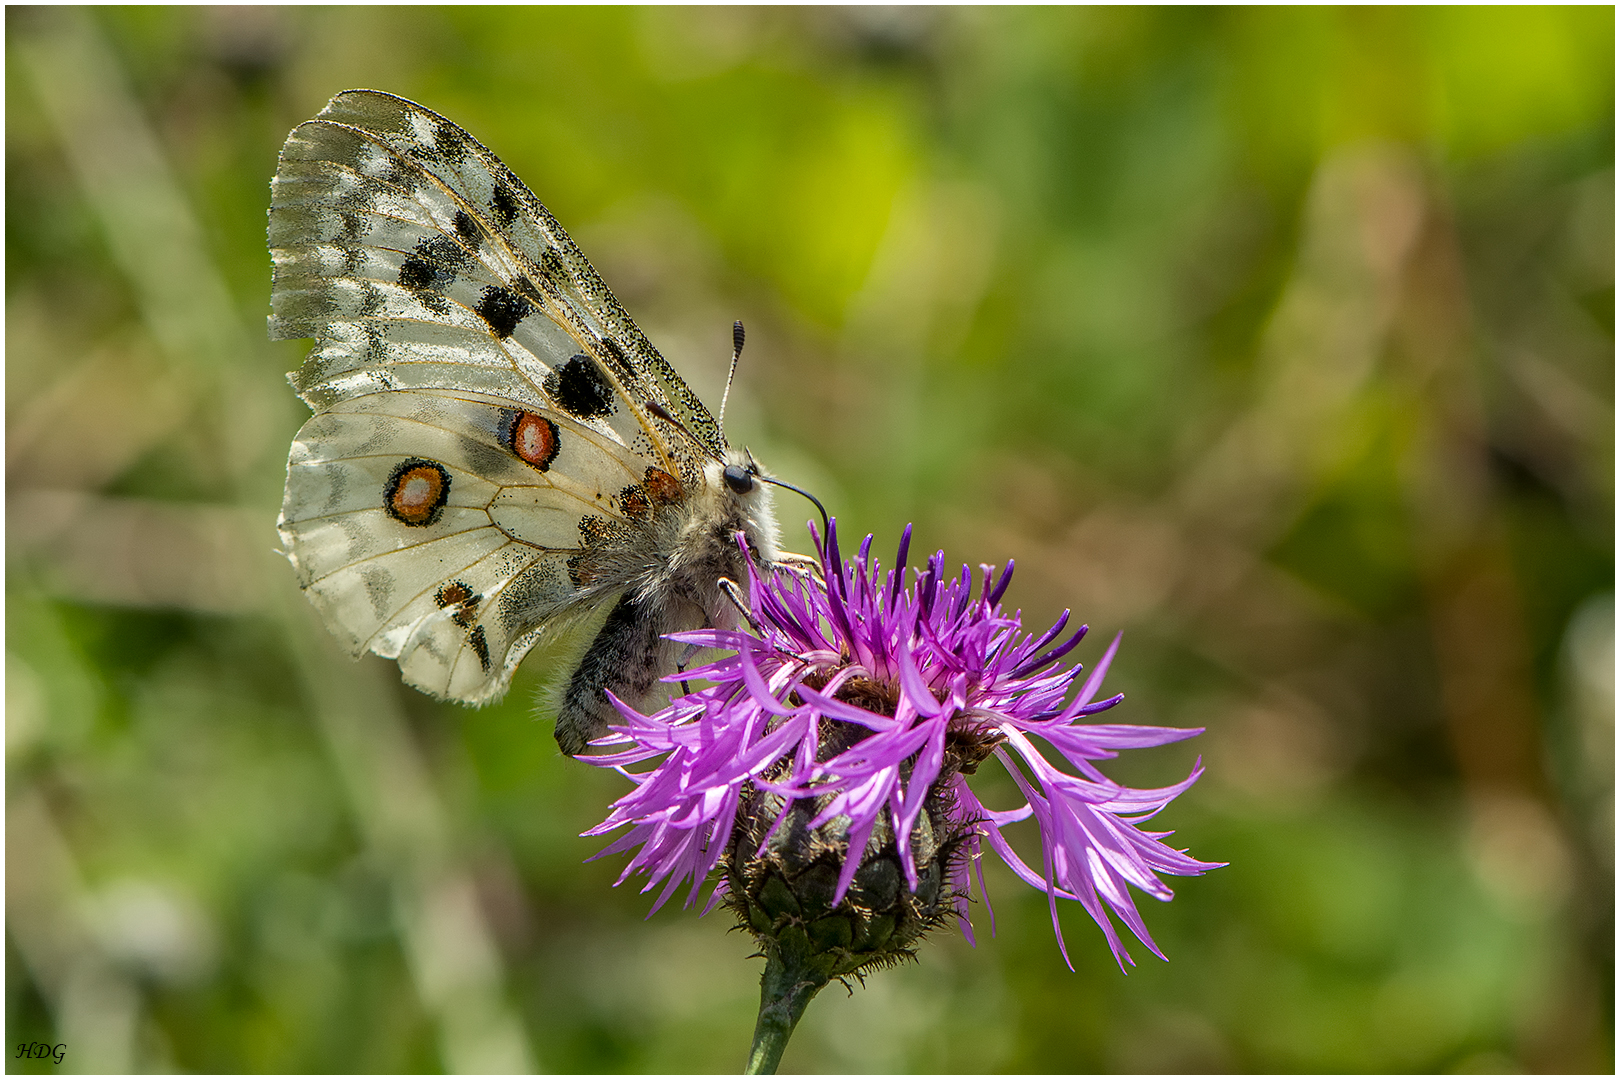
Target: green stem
x,y
784,990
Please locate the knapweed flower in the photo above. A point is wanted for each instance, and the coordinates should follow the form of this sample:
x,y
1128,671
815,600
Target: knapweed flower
x,y
824,770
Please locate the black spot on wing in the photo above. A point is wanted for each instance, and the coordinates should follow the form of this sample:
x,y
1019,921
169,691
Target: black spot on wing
x,y
445,251
504,204
467,228
479,646
552,264
417,273
595,530
580,388
450,141
503,310
396,172
434,266
428,152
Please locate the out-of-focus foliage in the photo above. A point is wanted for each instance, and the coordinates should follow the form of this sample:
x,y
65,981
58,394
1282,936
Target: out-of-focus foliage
x,y
1281,339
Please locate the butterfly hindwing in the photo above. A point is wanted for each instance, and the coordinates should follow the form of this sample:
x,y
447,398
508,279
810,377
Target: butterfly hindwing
x,y
486,414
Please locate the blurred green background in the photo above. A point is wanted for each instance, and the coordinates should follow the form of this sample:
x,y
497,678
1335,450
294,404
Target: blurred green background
x,y
1281,340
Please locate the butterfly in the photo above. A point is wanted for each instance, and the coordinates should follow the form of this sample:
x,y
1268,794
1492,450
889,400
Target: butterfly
x,y
497,453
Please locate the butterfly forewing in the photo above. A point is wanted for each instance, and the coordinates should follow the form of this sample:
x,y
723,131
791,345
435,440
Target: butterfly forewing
x,y
370,154
537,245
486,411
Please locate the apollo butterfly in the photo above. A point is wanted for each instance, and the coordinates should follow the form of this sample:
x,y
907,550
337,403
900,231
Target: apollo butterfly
x,y
497,452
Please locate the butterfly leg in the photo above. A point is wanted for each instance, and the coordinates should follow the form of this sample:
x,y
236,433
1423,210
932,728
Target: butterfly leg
x,y
801,564
734,594
680,665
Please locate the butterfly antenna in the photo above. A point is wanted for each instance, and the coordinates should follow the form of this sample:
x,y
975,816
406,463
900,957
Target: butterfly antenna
x,y
736,354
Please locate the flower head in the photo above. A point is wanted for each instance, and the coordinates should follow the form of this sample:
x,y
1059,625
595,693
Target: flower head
x,y
827,762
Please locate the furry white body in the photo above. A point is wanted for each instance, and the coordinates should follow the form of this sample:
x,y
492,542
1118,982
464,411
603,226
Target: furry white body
x,y
670,582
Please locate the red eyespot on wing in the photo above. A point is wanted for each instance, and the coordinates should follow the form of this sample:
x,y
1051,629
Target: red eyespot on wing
x,y
534,439
453,593
416,491
633,501
662,487
461,600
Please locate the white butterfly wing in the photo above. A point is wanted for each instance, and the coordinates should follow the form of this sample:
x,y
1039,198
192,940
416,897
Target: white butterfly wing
x,y
482,401
455,590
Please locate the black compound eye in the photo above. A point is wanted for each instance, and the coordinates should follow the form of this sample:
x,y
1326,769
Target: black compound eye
x,y
739,479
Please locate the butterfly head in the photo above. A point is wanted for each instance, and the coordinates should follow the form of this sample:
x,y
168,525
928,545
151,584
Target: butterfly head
x,y
740,480
744,478
742,493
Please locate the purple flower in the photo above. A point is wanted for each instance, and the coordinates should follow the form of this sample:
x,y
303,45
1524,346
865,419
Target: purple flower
x,y
838,737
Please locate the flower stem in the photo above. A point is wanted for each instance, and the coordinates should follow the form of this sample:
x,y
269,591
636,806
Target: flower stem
x,y
787,986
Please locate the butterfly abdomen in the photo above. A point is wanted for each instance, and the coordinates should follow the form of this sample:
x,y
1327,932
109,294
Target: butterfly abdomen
x,y
623,657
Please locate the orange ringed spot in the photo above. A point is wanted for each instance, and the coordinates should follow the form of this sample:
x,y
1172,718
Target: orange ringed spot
x,y
416,491
662,487
460,600
633,501
534,439
453,593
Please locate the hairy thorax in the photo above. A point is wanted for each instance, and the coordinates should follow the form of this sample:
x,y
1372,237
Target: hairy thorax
x,y
672,584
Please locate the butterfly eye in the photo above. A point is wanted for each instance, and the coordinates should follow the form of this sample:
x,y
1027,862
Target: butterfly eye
x,y
739,479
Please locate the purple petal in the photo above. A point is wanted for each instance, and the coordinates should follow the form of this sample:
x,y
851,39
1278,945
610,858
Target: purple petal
x,y
993,597
916,690
1029,667
1093,684
758,688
